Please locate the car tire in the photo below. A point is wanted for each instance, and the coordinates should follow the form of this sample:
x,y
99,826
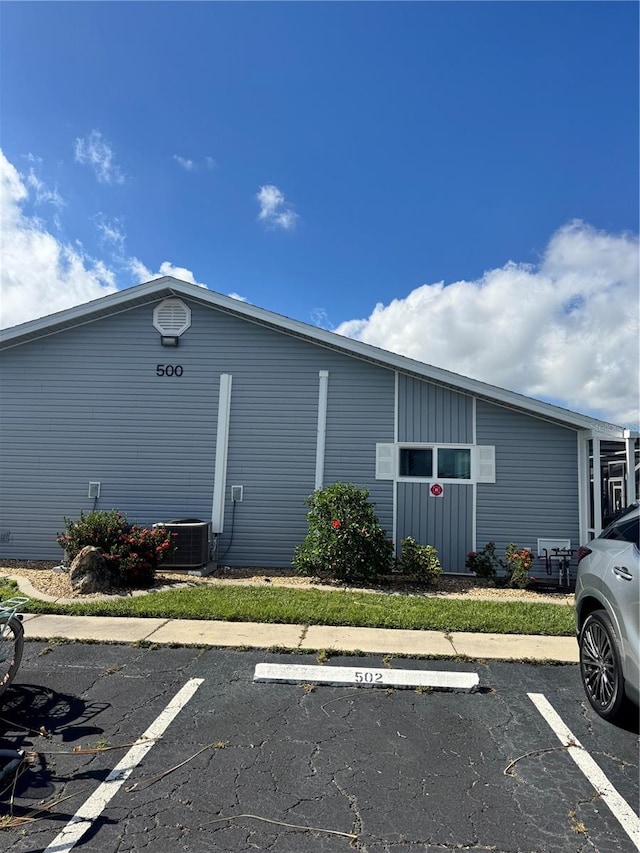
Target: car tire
x,y
601,667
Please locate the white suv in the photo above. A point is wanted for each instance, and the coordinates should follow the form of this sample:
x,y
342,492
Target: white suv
x,y
607,605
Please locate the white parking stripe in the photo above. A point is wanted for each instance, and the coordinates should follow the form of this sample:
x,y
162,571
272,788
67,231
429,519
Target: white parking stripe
x,y
621,810
97,802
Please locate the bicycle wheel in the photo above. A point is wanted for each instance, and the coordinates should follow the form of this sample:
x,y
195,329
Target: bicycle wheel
x,y
11,646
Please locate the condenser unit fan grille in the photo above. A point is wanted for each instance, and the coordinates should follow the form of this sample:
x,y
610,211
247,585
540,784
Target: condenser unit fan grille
x,y
192,541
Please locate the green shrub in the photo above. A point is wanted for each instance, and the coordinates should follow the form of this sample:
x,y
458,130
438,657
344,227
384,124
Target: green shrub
x,y
132,552
420,562
344,539
483,563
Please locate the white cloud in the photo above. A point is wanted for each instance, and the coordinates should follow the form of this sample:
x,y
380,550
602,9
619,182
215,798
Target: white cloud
x,y
274,209
188,165
320,317
38,274
96,152
193,165
111,232
143,273
565,330
43,193
238,297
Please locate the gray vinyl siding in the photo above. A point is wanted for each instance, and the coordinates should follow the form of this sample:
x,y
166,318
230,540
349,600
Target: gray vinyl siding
x,y
87,405
356,421
536,490
273,434
429,412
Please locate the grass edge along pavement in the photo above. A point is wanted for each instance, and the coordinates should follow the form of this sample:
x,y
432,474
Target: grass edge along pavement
x,y
331,607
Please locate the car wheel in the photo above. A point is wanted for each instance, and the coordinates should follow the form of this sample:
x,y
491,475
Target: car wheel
x,y
600,666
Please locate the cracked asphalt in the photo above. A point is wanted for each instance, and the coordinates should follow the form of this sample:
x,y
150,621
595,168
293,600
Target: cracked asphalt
x,y
393,771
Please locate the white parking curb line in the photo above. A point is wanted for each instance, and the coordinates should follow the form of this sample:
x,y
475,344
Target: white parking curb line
x,y
364,676
97,802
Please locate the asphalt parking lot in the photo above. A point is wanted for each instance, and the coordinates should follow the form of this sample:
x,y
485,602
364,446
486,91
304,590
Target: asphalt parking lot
x,y
234,765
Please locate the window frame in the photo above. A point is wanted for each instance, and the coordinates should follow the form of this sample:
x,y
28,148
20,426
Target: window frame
x,y
434,447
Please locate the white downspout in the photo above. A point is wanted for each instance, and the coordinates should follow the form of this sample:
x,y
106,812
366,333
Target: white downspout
x,y
323,393
222,447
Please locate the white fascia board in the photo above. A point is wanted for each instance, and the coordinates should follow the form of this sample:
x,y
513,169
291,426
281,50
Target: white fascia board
x,y
82,313
160,286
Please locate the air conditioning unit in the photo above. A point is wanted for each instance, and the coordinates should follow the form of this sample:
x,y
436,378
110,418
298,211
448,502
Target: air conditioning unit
x,y
194,546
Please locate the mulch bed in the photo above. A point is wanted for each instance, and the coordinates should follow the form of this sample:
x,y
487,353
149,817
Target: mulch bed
x,y
393,583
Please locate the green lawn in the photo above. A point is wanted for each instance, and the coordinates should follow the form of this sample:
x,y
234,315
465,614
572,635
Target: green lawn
x,y
336,607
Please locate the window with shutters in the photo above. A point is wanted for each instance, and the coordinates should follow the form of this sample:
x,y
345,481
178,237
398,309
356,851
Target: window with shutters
x,y
447,463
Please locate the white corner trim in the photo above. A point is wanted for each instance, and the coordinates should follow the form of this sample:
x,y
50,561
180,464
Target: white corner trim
x,y
631,480
474,517
323,394
394,498
474,420
583,486
597,489
222,447
396,399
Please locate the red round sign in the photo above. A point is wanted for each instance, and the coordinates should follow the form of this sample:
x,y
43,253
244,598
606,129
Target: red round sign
x,y
436,490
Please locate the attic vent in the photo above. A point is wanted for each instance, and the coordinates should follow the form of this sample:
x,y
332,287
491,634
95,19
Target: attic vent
x,y
171,317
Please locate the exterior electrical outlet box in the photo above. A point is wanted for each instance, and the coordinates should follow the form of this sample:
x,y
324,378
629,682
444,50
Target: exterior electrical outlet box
x,y
94,490
237,493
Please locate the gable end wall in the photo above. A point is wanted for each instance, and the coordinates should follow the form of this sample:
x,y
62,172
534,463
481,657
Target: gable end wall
x,y
87,405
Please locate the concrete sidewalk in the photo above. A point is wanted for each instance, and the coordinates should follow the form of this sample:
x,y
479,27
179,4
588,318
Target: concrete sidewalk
x,y
255,635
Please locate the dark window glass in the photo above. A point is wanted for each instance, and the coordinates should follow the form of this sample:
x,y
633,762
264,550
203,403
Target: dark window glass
x,y
454,463
416,462
625,529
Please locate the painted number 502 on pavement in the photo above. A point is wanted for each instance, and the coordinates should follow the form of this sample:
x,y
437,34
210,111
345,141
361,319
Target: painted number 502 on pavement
x,y
365,676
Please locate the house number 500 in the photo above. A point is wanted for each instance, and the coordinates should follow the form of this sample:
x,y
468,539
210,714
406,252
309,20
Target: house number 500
x,y
168,370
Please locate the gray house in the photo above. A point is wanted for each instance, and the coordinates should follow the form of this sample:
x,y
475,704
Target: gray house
x,y
171,402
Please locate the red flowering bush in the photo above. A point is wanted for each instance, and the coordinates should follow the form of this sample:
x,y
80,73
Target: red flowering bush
x,y
344,539
518,564
132,552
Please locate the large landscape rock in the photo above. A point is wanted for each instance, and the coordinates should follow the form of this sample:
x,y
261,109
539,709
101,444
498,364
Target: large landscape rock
x,y
90,572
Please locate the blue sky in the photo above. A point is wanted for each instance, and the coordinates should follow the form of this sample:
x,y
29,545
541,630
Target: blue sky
x,y
457,181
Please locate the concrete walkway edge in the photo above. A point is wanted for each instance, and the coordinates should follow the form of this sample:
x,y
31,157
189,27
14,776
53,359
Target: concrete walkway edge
x,y
256,635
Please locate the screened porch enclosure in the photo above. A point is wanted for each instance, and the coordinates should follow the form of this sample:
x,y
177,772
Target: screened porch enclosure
x,y
613,478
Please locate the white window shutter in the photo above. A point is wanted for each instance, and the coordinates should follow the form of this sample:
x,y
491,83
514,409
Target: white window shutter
x,y
385,461
485,457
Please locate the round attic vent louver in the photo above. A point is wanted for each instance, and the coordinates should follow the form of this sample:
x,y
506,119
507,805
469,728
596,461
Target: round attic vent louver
x,y
171,317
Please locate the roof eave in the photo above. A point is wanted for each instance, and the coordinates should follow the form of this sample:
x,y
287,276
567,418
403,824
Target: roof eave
x,y
155,288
